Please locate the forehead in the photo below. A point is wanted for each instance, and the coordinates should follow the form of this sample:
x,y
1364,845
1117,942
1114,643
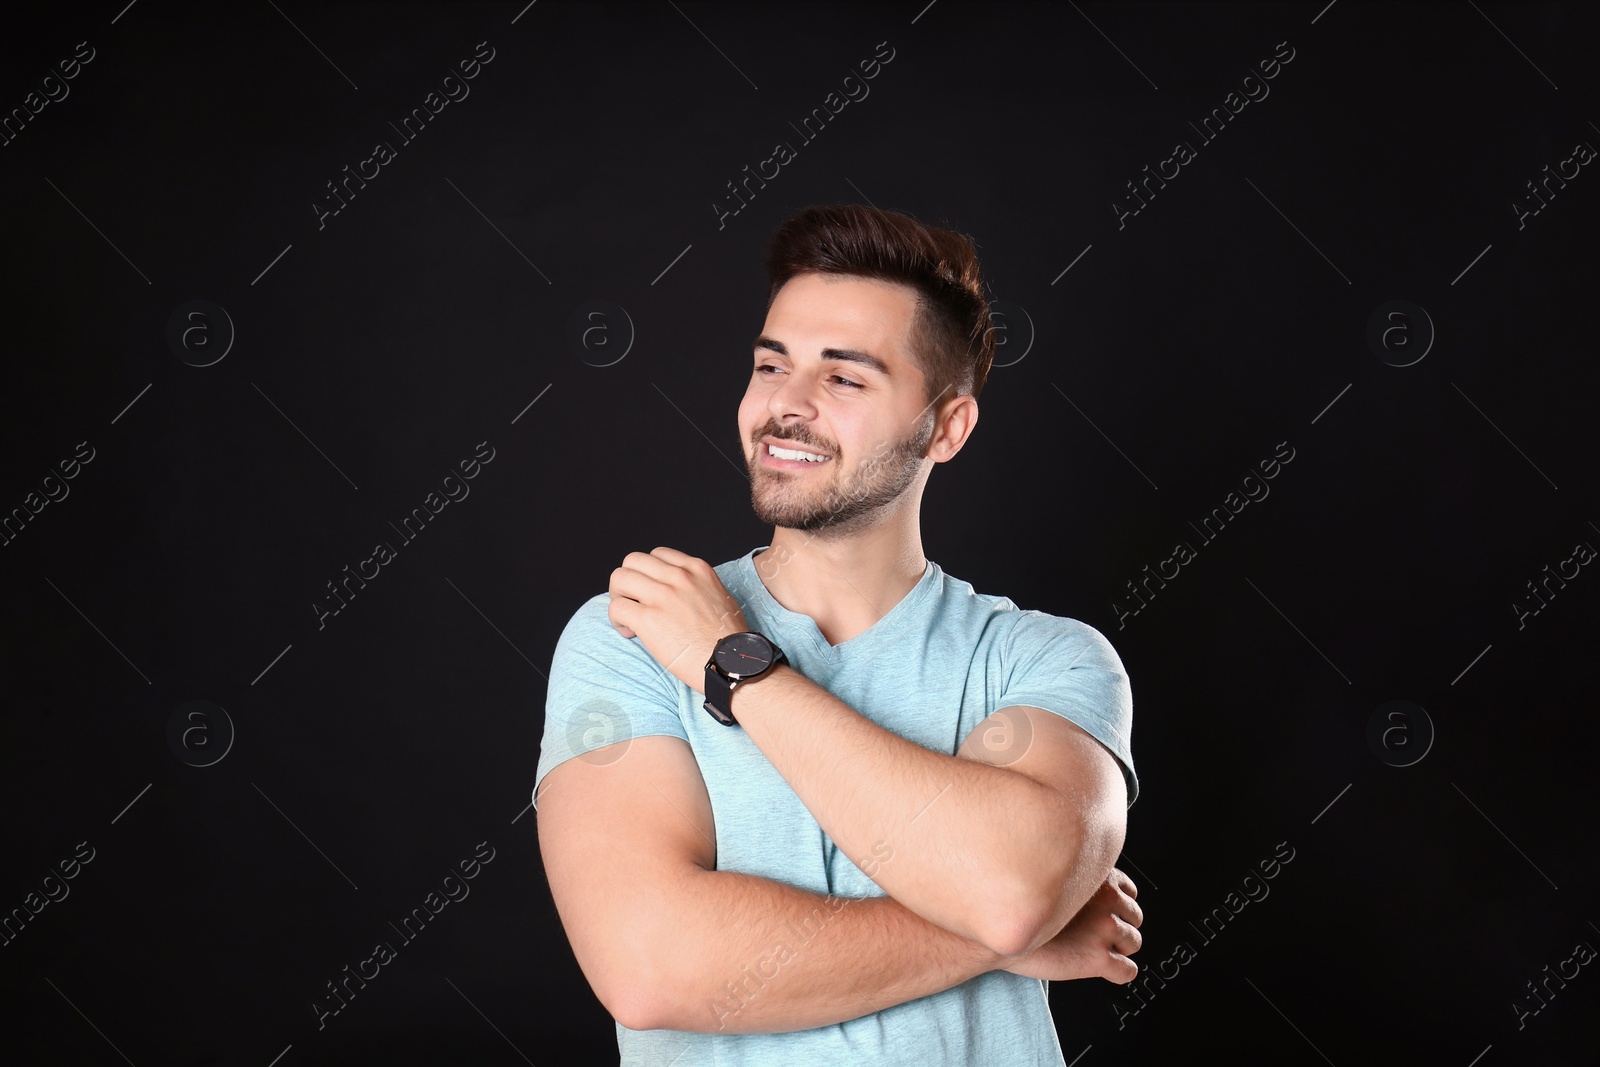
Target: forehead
x,y
814,311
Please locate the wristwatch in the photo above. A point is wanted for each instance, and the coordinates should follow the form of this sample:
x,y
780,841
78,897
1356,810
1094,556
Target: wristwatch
x,y
738,658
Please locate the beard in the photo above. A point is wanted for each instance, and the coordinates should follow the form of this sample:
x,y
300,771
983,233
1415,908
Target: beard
x,y
836,505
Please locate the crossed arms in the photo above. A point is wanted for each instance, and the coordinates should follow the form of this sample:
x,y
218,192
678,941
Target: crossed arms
x,y
1001,859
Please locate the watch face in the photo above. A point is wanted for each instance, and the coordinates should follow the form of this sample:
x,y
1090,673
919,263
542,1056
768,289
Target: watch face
x,y
743,654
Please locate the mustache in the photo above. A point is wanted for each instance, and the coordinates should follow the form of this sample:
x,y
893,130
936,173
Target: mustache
x,y
808,442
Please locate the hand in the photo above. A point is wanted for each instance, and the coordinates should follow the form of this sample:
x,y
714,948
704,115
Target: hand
x,y
677,606
1096,943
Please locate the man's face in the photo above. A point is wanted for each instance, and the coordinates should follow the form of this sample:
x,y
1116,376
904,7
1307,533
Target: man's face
x,y
834,376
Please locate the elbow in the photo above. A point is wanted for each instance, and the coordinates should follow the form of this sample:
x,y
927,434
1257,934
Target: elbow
x,y
1012,941
634,987
1024,930
638,1001
1011,925
656,982
1040,891
635,1008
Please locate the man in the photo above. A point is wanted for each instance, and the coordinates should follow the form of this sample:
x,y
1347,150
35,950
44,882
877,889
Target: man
x,y
830,805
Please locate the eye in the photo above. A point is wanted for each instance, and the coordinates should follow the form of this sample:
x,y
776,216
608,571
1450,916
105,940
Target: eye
x,y
760,369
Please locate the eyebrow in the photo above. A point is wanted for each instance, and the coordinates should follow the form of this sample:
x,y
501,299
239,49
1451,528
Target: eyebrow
x,y
845,355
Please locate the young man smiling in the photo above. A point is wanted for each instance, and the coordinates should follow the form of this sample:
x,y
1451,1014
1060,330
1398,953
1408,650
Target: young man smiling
x,y
830,804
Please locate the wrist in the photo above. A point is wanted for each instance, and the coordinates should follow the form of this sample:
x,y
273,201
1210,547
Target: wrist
x,y
748,697
738,661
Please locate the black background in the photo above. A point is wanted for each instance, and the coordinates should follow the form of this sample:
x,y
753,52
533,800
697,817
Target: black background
x,y
371,355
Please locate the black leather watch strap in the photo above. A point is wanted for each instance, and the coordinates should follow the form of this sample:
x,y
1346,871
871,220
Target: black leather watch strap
x,y
719,694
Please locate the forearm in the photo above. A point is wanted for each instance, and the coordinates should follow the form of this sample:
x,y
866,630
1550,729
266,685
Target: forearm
x,y
966,836
744,954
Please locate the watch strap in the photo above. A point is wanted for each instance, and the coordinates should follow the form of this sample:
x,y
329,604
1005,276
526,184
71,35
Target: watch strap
x,y
719,693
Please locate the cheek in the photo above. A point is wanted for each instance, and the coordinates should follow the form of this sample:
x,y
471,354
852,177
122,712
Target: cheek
x,y
752,415
860,436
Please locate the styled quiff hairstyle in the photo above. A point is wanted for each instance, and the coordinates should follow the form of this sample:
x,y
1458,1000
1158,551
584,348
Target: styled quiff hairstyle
x,y
951,334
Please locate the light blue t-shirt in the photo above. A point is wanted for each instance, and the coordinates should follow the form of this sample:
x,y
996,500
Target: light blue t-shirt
x,y
938,663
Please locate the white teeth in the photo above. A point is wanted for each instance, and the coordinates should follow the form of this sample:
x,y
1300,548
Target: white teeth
x,y
790,453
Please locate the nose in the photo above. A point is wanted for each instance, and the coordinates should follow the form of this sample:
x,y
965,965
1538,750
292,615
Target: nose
x,y
795,397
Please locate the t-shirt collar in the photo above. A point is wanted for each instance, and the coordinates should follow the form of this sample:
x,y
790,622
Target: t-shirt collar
x,y
792,624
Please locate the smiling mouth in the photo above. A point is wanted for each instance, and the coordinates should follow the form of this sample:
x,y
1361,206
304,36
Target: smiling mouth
x,y
791,458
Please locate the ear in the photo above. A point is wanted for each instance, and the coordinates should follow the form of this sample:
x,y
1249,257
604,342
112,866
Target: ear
x,y
957,418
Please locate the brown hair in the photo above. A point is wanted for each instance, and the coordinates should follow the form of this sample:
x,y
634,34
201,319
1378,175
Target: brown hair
x,y
954,345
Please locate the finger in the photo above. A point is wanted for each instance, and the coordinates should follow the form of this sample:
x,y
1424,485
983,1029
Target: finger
x,y
648,563
1121,880
621,610
1128,909
1128,939
675,558
1119,969
635,584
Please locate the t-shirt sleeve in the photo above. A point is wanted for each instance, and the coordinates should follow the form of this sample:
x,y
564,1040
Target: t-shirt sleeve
x,y
1069,668
604,688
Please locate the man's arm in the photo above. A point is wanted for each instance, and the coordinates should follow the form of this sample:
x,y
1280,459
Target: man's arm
x,y
979,849
990,862
1063,757
668,942
750,955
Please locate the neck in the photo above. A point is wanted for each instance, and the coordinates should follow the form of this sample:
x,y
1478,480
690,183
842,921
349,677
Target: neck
x,y
845,582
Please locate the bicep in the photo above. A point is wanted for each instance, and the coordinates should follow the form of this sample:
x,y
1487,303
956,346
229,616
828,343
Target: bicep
x,y
618,826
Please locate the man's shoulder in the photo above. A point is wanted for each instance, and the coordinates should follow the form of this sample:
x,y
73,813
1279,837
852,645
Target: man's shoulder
x,y
589,626
592,651
1026,626
1089,647
589,633
581,623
